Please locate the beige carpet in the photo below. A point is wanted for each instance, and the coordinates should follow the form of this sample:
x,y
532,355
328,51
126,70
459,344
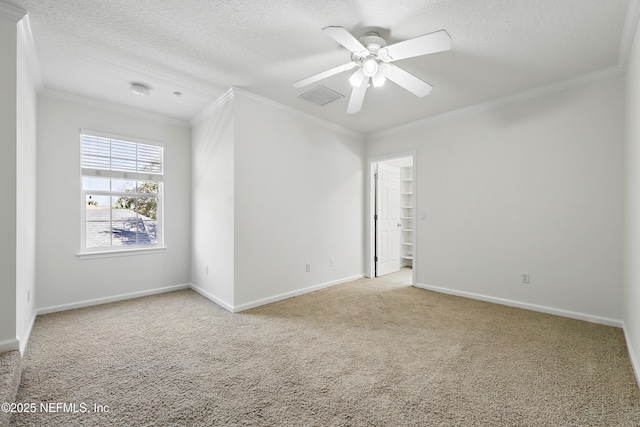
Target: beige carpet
x,y
10,370
367,353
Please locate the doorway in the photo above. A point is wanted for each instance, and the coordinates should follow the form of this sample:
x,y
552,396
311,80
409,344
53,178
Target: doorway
x,y
392,216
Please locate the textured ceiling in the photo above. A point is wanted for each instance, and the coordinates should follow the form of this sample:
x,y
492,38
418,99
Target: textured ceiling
x,y
95,48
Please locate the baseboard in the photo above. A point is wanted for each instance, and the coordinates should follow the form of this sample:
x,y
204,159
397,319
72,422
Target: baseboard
x,y
533,307
9,345
298,292
212,298
105,300
635,364
23,341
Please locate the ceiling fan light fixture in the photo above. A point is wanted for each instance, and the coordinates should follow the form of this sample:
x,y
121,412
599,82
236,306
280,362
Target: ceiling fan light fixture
x,y
370,67
379,79
140,89
356,78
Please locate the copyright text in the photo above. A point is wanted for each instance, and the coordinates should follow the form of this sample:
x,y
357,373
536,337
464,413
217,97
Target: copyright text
x,y
53,407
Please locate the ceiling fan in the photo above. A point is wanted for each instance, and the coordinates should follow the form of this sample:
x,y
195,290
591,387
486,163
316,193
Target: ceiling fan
x,y
373,60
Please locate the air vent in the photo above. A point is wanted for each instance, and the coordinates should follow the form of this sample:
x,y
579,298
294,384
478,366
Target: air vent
x,y
321,95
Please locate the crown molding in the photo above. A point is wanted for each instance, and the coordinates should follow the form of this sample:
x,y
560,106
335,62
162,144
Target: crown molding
x,y
24,29
217,103
506,100
11,12
628,33
116,108
324,123
233,91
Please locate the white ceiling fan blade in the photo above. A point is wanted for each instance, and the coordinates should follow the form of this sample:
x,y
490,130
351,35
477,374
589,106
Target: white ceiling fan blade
x,y
429,43
357,97
346,39
324,74
408,81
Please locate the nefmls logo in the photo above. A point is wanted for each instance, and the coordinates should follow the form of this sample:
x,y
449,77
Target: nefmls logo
x,y
65,407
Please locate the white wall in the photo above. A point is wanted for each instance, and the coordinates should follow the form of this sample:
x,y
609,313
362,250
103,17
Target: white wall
x,y
212,217
273,190
25,198
632,207
64,280
533,186
298,199
8,171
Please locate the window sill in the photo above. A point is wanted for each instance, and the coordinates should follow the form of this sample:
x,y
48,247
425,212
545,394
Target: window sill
x,y
121,252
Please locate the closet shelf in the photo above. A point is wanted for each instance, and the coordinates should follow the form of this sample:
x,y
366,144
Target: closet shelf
x,y
407,194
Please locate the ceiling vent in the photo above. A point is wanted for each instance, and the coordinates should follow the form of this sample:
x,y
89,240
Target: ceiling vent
x,y
321,95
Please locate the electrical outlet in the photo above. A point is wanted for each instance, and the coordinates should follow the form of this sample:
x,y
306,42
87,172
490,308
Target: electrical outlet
x,y
28,295
308,266
332,262
524,277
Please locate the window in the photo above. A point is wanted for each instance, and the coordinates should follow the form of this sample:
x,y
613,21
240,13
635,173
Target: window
x,y
121,193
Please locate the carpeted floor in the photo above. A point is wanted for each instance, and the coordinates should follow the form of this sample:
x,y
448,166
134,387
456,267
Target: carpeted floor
x,y
10,370
366,353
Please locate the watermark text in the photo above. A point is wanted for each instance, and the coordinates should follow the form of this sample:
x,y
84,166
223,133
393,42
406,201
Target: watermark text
x,y
53,407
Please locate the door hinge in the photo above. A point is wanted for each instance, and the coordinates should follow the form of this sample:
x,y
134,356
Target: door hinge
x,y
375,259
375,217
375,175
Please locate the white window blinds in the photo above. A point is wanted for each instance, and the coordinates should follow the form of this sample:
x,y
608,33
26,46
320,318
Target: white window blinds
x,y
115,158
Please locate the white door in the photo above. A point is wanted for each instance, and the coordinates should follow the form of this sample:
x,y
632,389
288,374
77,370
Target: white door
x,y
387,220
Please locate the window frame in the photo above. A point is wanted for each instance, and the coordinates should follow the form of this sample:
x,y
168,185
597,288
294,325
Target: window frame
x,y
119,250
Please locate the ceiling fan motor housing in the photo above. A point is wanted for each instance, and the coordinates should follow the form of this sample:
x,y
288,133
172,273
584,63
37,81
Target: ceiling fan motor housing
x,y
372,41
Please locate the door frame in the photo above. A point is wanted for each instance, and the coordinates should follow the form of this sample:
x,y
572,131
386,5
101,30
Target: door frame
x,y
370,209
